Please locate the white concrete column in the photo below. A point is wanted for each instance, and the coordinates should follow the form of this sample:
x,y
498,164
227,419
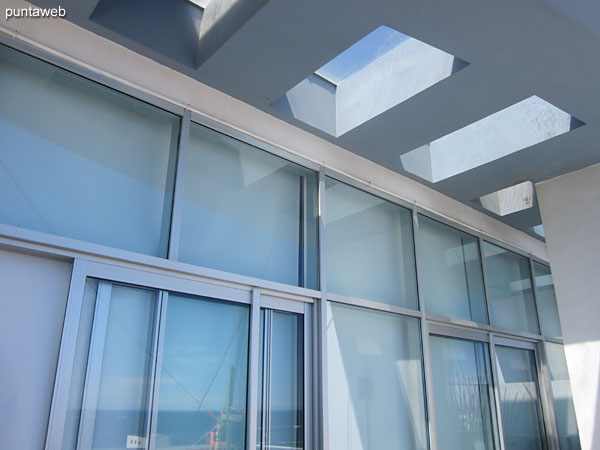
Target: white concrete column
x,y
570,207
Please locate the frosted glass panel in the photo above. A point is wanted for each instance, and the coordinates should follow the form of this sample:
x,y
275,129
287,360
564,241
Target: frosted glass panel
x,y
518,390
375,380
82,161
510,290
202,396
451,270
461,384
116,396
369,247
248,212
281,379
564,410
546,300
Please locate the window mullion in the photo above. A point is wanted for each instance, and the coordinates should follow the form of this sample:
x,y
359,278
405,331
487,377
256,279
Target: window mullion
x,y
158,344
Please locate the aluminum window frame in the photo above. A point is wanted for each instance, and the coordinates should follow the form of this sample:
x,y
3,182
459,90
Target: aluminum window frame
x,y
108,275
123,266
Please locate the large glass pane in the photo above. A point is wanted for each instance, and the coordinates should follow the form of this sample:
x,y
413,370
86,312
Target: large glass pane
x,y
510,291
564,410
247,211
451,269
461,385
375,380
203,376
546,300
369,247
518,390
116,394
80,160
281,400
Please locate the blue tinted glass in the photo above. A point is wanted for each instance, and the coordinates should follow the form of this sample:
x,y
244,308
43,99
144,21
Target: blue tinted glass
x,y
202,396
369,247
281,380
116,395
451,269
510,290
461,384
518,389
376,395
247,211
82,161
546,301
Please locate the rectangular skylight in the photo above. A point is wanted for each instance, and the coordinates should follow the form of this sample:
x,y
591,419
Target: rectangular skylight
x,y
380,71
200,3
509,200
510,130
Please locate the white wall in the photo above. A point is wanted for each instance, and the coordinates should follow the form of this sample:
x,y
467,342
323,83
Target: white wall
x,y
570,207
33,295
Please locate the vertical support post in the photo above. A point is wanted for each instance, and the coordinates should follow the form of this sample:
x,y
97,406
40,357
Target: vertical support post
x,y
253,362
160,339
152,401
308,377
485,282
66,356
94,366
427,373
496,391
177,208
321,320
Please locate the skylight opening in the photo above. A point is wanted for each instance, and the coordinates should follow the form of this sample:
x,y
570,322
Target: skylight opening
x,y
382,70
509,200
200,3
503,133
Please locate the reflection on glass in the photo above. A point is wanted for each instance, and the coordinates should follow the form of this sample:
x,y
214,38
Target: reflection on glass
x,y
281,393
116,395
546,300
517,386
82,161
369,247
202,389
247,211
376,396
564,410
451,269
510,290
461,384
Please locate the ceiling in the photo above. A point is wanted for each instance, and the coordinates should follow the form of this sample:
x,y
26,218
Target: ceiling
x,y
257,50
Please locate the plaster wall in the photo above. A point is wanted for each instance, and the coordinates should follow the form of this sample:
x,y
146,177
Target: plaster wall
x,y
570,207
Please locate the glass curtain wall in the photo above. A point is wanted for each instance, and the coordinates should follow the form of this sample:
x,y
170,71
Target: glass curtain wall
x,y
510,290
133,389
376,394
451,270
463,397
247,211
546,300
152,368
519,399
281,382
83,161
369,247
203,375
